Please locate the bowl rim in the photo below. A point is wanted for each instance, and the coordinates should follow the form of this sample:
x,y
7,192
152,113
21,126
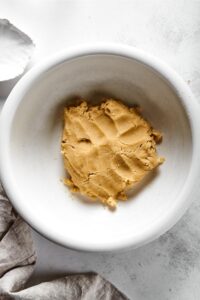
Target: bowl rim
x,y
187,100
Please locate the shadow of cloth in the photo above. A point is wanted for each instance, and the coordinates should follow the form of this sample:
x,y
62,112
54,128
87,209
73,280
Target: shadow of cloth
x,y
7,86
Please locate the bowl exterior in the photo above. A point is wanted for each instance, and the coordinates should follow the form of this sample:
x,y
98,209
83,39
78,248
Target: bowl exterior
x,y
188,102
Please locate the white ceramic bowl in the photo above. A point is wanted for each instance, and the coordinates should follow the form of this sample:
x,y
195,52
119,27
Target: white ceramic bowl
x,y
31,164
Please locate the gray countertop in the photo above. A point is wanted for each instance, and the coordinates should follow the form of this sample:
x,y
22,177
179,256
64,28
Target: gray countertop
x,y
168,268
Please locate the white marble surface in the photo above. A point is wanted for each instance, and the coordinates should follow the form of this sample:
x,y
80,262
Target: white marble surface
x,y
168,268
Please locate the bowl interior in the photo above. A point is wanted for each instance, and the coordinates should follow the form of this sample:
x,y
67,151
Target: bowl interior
x,y
37,163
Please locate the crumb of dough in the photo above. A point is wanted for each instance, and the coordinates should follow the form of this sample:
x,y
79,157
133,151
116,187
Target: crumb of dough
x,y
107,149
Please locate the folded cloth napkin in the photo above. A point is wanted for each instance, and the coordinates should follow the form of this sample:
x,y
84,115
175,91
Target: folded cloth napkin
x,y
17,260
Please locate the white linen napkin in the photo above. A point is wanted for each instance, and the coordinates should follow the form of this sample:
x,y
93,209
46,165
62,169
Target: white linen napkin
x,y
17,260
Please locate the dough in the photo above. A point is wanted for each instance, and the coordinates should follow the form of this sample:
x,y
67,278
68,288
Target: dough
x,y
107,149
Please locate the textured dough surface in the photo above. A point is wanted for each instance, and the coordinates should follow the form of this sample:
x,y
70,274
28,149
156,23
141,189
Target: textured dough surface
x,y
107,149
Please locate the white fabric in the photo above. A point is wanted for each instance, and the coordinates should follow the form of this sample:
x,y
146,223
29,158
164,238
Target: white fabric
x,y
17,260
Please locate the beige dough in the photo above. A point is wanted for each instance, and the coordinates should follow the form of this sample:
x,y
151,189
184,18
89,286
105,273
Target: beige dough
x,y
107,149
